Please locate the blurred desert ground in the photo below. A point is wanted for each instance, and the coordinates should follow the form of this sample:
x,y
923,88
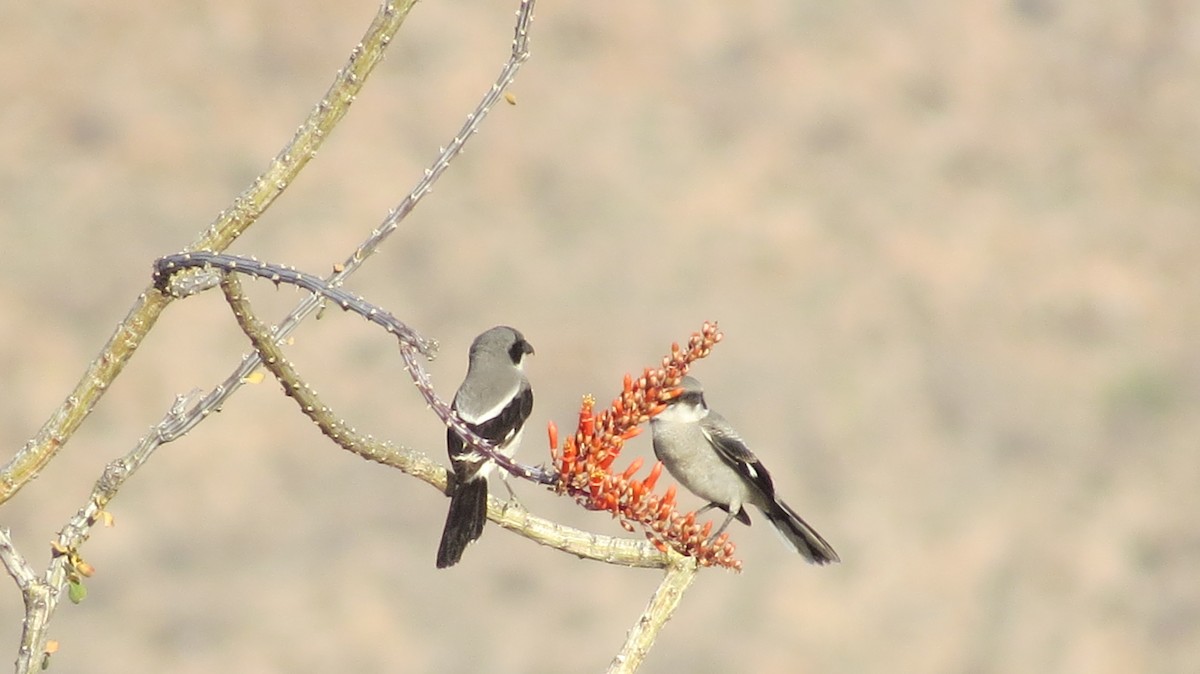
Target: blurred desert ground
x,y
953,246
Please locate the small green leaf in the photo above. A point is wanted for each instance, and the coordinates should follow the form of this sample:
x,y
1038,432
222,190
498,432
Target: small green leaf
x,y
76,592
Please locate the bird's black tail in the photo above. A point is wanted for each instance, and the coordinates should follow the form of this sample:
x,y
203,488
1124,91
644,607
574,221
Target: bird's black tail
x,y
464,522
799,535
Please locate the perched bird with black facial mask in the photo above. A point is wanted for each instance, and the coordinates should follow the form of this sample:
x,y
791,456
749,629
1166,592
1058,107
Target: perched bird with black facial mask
x,y
494,400
703,452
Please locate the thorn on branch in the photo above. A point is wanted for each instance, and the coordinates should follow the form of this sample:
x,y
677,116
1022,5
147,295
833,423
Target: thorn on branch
x,y
166,267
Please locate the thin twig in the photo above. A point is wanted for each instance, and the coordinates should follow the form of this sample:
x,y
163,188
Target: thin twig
x,y
586,545
42,594
681,571
14,563
165,268
229,225
39,600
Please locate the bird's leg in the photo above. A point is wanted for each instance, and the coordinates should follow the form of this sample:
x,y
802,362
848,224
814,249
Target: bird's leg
x,y
718,532
512,496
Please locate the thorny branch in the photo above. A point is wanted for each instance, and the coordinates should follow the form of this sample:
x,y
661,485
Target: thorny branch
x,y
410,341
582,544
681,571
165,268
227,227
520,53
42,594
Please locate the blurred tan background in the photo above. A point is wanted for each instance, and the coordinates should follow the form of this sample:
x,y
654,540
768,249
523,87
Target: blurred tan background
x,y
953,246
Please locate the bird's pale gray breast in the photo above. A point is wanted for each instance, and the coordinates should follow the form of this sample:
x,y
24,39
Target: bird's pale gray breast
x,y
686,452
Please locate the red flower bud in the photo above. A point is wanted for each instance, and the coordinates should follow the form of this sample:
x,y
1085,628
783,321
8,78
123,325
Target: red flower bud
x,y
633,468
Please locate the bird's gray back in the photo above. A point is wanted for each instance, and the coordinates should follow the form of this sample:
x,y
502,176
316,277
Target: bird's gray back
x,y
485,388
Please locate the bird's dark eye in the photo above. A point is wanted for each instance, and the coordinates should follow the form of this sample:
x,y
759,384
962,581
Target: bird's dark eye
x,y
518,350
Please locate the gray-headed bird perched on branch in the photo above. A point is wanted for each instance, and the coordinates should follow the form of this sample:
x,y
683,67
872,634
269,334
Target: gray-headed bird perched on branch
x,y
703,452
494,400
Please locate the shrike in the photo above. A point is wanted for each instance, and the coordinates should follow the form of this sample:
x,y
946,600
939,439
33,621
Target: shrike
x,y
494,400
708,457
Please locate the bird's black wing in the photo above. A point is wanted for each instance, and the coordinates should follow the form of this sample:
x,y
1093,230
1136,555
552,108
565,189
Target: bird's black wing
x,y
502,427
733,450
498,430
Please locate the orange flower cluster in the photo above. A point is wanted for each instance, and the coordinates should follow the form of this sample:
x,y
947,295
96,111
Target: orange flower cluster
x,y
585,461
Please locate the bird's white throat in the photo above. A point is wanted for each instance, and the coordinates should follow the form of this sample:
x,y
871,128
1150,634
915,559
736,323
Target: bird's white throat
x,y
682,413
